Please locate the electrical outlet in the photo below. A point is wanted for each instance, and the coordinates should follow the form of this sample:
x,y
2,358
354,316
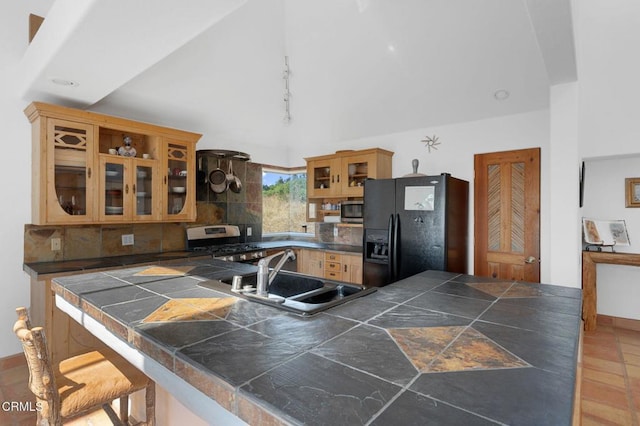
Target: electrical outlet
x,y
127,239
249,231
335,231
56,244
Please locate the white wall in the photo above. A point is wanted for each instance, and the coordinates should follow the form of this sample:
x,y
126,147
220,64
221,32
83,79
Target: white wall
x,y
607,37
16,146
604,198
564,224
608,115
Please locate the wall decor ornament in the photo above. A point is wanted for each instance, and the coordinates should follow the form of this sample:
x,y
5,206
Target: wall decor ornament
x,y
430,142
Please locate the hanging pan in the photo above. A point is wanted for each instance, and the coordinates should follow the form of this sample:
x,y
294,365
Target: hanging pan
x,y
234,182
218,180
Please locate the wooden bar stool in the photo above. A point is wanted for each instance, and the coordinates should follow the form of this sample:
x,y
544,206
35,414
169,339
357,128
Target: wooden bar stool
x,y
81,383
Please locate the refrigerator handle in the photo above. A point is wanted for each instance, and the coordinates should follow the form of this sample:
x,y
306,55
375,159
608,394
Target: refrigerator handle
x,y
390,267
396,248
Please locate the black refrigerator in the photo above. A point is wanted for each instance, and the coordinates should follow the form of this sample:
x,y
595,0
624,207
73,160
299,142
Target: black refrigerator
x,y
413,224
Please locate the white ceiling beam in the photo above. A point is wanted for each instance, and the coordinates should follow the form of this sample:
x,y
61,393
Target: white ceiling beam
x,y
99,45
553,26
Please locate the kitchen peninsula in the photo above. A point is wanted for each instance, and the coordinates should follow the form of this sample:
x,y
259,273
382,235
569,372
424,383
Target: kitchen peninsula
x,y
437,347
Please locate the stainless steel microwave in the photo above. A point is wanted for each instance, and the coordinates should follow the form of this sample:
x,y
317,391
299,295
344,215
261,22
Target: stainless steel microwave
x,y
351,211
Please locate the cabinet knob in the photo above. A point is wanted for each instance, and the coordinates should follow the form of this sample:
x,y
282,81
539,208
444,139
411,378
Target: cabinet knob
x,y
126,189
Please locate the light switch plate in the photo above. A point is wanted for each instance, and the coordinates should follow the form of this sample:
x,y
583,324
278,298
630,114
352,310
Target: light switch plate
x,y
127,239
249,231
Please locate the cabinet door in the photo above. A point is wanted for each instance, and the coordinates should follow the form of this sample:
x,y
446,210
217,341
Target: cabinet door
x,y
115,196
69,170
352,268
323,178
312,262
147,190
357,169
179,192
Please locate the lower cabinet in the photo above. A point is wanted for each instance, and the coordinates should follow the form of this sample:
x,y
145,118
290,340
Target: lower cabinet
x,y
352,268
311,262
331,265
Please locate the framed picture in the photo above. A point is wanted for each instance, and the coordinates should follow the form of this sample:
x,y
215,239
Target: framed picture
x,y
605,232
632,192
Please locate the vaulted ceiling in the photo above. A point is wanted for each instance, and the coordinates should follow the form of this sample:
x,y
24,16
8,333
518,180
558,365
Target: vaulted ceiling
x,y
358,67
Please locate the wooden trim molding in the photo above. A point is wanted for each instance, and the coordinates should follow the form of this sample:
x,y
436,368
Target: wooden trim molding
x,y
34,25
589,293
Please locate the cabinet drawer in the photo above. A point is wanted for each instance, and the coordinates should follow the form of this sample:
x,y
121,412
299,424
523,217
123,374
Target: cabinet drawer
x,y
332,257
333,266
333,275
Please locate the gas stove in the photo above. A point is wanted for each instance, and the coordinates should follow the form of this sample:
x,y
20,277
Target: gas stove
x,y
223,242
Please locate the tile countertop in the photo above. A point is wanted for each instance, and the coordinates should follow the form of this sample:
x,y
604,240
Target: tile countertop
x,y
39,269
437,348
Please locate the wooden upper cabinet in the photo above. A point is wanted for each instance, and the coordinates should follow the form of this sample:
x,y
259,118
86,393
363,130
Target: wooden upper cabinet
x,y
323,177
78,179
343,174
179,185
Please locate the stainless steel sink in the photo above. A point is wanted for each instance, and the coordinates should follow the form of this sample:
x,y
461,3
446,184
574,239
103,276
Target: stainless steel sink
x,y
298,293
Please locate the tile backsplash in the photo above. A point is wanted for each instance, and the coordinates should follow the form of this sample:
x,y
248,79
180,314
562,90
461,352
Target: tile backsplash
x,y
243,209
95,241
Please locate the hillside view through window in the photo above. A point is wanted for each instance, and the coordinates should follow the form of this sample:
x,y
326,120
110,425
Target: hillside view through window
x,y
284,197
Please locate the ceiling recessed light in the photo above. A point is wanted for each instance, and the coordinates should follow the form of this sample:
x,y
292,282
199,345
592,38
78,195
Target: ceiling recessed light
x,y
64,82
501,94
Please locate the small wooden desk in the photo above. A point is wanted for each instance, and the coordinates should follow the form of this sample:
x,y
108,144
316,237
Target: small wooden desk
x,y
589,293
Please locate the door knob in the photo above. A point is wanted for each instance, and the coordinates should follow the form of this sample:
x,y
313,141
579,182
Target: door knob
x,y
530,259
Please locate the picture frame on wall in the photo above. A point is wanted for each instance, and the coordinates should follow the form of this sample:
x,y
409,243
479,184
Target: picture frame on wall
x,y
632,192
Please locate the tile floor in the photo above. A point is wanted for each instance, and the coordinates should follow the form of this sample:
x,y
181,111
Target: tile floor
x,y
611,376
610,382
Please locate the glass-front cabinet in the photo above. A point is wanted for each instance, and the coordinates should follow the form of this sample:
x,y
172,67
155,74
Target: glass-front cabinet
x,y
323,177
337,177
128,189
69,182
94,168
179,186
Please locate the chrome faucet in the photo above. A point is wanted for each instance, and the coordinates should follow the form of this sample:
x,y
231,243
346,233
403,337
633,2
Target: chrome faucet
x,y
265,278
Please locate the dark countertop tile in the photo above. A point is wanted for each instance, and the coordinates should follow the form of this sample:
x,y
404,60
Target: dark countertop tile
x,y
518,314
303,333
239,355
407,316
315,391
413,409
135,311
177,334
553,353
518,396
384,359
40,269
446,303
470,350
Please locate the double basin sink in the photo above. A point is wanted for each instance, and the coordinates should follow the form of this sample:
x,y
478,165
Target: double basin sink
x,y
301,294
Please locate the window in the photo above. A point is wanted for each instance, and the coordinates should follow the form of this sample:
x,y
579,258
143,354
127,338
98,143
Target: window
x,y
284,201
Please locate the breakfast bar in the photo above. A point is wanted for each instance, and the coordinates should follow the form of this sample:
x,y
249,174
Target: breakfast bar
x,y
438,348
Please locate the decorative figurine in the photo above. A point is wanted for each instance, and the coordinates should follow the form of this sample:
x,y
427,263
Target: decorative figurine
x,y
127,150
